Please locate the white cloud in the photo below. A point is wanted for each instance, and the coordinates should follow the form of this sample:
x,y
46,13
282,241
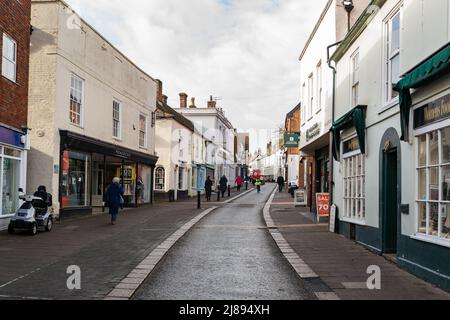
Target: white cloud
x,y
244,51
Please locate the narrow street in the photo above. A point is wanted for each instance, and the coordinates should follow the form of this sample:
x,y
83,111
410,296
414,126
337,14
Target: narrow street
x,y
229,255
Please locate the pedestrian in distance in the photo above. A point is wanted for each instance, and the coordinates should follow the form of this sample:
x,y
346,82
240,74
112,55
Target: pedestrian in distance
x,y
114,199
280,182
239,182
208,188
223,183
258,184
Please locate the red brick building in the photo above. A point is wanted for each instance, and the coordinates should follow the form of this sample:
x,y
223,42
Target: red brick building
x,y
15,30
292,126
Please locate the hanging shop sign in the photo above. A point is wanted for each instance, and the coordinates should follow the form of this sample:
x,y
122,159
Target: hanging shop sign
x,y
432,112
312,132
291,140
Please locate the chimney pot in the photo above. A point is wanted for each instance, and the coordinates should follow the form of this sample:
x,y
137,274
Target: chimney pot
x,y
192,106
164,99
183,100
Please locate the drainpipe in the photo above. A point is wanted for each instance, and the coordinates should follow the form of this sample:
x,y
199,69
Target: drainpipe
x,y
333,108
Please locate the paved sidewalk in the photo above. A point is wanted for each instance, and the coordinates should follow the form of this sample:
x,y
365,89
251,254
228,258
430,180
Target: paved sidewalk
x,y
342,264
35,267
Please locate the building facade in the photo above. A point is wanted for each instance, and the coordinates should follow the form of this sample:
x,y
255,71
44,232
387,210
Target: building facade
x,y
180,172
317,95
219,134
92,114
392,142
15,30
291,145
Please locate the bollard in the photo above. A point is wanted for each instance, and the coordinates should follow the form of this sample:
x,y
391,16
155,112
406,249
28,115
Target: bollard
x,y
199,205
218,193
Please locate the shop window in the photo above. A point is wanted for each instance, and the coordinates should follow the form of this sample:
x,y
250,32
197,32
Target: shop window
x,y
75,183
9,58
10,177
76,100
433,184
160,178
392,49
354,173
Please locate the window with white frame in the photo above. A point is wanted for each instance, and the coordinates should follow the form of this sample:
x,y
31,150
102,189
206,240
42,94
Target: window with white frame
x,y
310,95
117,119
9,58
354,173
76,100
392,54
319,86
355,78
142,131
160,178
433,179
303,107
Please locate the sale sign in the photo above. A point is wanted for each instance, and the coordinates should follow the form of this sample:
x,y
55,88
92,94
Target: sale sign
x,y
323,204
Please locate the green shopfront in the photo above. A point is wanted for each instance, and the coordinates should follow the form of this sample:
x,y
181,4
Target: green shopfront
x,y
88,166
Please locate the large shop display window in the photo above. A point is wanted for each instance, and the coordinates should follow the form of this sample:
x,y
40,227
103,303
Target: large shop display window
x,y
354,172
10,180
433,176
75,184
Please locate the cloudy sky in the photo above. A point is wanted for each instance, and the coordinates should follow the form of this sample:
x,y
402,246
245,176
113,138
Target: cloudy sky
x,y
245,52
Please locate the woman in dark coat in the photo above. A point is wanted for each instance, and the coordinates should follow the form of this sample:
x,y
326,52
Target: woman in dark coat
x,y
223,185
114,199
208,188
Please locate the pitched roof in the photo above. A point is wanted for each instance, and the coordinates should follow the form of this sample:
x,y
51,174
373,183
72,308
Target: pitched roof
x,y
176,116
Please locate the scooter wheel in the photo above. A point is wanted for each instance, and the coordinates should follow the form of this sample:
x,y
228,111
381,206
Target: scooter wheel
x,y
49,225
33,230
10,229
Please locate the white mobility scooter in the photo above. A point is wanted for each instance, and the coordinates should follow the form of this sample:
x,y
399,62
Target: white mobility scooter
x,y
34,215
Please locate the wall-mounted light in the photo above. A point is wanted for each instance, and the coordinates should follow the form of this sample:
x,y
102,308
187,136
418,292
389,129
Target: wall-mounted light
x,y
348,5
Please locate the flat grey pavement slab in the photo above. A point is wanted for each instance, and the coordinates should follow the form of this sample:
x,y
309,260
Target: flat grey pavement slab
x,y
229,255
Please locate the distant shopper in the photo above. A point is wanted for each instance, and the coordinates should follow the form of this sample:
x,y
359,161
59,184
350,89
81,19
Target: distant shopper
x,y
114,199
208,188
280,182
239,182
258,184
223,183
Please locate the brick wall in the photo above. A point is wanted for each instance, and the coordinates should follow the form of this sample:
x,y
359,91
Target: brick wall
x,y
15,21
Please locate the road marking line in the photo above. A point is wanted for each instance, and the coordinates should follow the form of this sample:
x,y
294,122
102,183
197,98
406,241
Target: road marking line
x,y
238,196
19,278
355,285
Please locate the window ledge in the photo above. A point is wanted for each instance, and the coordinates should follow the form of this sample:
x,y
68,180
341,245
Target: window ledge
x,y
354,221
430,239
389,105
76,125
117,139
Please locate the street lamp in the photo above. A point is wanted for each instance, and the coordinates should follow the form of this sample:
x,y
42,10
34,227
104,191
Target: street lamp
x,y
348,5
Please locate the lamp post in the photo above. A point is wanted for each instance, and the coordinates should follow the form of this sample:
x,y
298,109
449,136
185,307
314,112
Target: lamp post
x,y
348,5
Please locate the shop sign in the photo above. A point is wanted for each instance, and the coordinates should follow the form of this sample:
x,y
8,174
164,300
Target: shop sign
x,y
291,140
323,204
312,132
351,145
11,137
122,154
432,112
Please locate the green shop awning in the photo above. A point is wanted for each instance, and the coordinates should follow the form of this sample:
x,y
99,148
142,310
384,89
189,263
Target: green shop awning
x,y
427,72
355,118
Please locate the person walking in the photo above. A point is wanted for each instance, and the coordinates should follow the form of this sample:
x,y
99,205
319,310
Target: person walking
x,y
114,199
223,183
258,184
239,182
208,188
280,182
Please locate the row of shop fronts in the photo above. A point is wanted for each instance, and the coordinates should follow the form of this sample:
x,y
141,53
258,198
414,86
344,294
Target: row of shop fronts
x,y
13,167
87,167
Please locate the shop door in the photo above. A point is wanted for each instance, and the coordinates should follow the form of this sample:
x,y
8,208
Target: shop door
x,y
390,202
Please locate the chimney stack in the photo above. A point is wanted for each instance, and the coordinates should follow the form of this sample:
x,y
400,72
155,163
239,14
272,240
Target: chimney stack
x,y
192,106
159,92
164,100
183,100
211,103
